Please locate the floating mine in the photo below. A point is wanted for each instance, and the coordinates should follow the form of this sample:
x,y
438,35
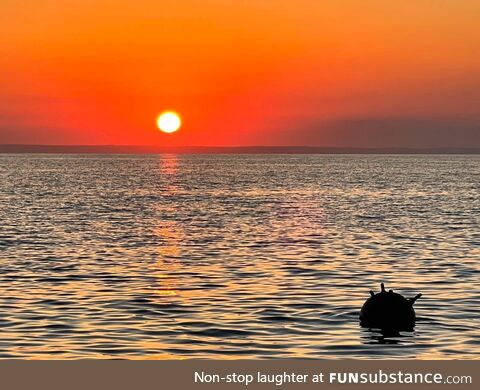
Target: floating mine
x,y
388,311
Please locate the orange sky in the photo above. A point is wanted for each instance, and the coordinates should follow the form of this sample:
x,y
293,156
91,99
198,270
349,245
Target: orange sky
x,y
258,72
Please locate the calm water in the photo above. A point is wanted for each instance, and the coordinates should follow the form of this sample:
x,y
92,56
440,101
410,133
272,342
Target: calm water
x,y
236,256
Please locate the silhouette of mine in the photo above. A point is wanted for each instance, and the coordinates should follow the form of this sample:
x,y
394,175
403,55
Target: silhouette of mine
x,y
388,311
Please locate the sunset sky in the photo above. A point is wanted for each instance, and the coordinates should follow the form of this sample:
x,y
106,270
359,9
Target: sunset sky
x,y
370,73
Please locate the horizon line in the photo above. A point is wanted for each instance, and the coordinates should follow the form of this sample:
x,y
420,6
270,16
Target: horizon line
x,y
253,149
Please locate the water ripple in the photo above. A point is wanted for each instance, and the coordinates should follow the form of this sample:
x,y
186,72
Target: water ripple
x,y
235,256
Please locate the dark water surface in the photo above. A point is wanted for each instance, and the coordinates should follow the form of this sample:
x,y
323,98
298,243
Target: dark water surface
x,y
235,256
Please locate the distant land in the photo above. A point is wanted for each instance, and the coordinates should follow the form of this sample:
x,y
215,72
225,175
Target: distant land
x,y
139,149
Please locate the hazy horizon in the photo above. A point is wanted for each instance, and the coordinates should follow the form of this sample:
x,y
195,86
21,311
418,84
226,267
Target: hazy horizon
x,y
202,149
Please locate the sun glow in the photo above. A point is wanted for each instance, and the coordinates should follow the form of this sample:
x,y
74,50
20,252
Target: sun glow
x,y
169,122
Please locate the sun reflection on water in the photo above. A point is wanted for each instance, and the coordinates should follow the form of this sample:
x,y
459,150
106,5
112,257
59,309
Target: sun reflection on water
x,y
169,234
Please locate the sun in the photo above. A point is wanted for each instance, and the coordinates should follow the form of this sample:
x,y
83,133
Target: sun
x,y
169,122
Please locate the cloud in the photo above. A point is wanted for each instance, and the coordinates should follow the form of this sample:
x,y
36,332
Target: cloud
x,y
387,133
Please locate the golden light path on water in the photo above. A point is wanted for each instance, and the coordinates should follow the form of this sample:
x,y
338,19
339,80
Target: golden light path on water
x,y
181,256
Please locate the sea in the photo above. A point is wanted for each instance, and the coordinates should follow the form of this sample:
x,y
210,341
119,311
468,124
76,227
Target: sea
x,y
236,256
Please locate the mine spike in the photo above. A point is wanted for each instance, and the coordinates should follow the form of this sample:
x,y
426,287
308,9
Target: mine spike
x,y
414,299
372,293
382,286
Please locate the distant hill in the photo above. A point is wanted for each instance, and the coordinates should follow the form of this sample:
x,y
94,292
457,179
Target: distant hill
x,y
138,149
